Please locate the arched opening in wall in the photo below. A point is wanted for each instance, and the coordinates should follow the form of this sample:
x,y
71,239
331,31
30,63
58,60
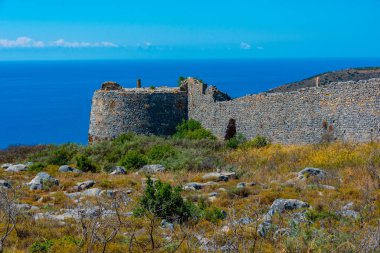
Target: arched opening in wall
x,y
231,129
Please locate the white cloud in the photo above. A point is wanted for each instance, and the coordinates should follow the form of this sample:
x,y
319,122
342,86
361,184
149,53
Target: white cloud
x,y
245,46
23,42
26,42
81,44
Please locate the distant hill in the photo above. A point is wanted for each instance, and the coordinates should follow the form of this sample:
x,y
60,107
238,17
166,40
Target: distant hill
x,y
355,74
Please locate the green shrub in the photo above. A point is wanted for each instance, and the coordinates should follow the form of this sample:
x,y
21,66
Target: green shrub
x,y
84,163
213,214
160,152
315,215
62,154
41,246
121,139
165,202
133,160
36,167
192,129
180,80
257,142
235,141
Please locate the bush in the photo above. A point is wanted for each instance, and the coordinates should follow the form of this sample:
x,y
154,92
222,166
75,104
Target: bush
x,y
84,163
165,202
160,152
192,129
257,142
235,141
36,167
62,154
133,160
180,80
41,246
213,214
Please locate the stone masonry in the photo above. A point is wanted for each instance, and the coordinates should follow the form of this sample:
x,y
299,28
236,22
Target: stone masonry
x,y
348,111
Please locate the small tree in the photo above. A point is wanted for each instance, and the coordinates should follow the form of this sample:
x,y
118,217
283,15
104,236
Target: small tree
x,y
8,214
192,129
165,202
133,160
84,163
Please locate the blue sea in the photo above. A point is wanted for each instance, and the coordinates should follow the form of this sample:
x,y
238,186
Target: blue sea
x,y
49,101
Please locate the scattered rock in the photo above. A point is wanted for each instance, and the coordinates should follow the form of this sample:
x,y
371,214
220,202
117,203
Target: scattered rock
x,y
152,169
219,176
349,214
197,186
213,194
167,225
243,221
282,232
66,168
225,229
94,192
348,206
279,206
129,191
5,184
193,186
327,187
41,180
17,168
84,185
25,207
6,165
118,170
206,244
311,172
241,185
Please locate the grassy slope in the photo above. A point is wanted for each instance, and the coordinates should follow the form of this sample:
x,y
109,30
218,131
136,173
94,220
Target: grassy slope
x,y
353,170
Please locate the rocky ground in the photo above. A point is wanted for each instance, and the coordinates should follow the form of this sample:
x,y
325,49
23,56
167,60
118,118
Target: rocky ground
x,y
276,198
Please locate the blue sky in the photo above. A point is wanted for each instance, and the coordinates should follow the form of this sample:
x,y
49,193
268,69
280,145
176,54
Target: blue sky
x,y
168,29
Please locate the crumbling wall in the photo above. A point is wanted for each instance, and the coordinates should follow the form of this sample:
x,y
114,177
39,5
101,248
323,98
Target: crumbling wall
x,y
347,111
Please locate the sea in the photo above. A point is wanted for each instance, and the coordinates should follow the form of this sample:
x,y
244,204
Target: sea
x,y
49,102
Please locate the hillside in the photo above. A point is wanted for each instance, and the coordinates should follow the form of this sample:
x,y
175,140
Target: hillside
x,y
355,74
236,197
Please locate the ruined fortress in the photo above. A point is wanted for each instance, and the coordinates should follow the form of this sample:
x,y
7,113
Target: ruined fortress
x,y
345,111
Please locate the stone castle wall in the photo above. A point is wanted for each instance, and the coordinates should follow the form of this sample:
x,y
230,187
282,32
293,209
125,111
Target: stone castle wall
x,y
340,111
116,110
347,111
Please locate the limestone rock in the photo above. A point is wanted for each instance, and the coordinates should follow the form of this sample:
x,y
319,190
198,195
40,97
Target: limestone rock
x,y
219,176
118,170
167,225
84,185
152,169
42,179
25,207
17,168
6,165
279,206
241,185
197,186
5,184
312,172
66,168
93,192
